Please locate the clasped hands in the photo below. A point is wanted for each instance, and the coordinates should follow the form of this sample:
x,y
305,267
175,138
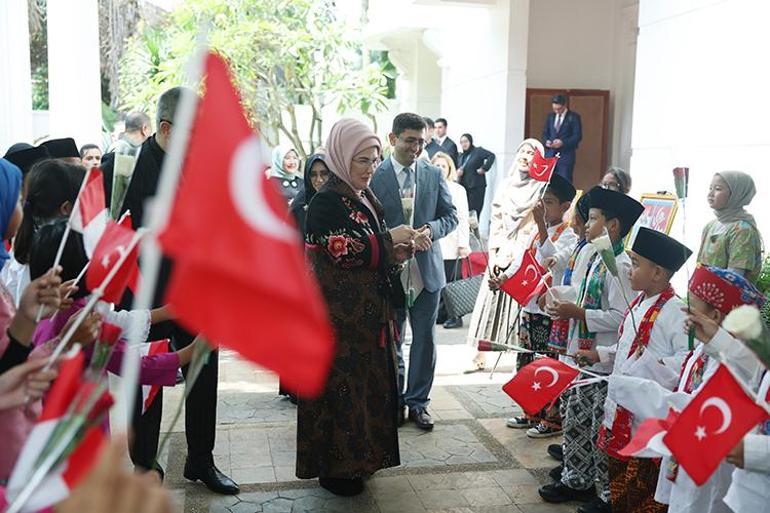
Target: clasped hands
x,y
407,240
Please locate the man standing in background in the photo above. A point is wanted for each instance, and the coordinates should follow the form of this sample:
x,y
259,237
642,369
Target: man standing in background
x,y
441,142
562,133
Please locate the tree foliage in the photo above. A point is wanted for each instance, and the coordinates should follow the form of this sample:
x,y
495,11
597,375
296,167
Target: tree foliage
x,y
283,54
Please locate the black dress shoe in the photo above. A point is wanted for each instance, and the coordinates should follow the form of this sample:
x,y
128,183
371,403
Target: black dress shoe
x,y
342,487
556,451
558,492
555,473
595,506
422,419
401,415
212,477
455,322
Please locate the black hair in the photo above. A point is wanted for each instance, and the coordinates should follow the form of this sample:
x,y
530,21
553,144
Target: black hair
x,y
49,184
46,244
559,99
429,122
86,147
609,215
442,120
407,121
558,194
469,137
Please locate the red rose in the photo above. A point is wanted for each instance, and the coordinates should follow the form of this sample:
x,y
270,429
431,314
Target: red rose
x,y
110,334
337,245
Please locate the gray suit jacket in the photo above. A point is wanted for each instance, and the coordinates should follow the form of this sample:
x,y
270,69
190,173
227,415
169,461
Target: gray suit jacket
x,y
433,206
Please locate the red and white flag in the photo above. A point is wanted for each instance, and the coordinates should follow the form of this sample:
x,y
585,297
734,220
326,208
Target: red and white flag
x,y
149,392
126,221
116,242
239,275
527,282
536,385
541,168
89,216
57,485
712,424
647,441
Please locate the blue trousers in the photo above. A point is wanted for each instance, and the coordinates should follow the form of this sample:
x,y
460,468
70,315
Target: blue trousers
x,y
422,354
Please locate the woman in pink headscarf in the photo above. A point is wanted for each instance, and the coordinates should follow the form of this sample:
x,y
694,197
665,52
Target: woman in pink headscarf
x,y
350,431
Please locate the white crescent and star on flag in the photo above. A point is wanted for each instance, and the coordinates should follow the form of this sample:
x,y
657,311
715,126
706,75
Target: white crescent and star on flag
x,y
554,377
727,417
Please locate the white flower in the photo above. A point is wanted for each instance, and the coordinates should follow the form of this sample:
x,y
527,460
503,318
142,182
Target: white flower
x,y
602,243
744,322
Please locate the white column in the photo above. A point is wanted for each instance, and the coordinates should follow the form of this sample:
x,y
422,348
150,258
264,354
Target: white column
x,y
73,70
15,81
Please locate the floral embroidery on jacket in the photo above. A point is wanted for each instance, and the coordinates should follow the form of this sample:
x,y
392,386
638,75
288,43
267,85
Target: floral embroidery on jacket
x,y
337,245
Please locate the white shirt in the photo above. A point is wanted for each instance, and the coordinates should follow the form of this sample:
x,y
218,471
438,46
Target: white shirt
x,y
460,236
401,174
564,245
668,342
558,119
440,140
15,277
606,321
750,488
567,239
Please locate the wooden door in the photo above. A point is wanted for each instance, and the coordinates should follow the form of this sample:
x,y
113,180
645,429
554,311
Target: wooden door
x,y
593,106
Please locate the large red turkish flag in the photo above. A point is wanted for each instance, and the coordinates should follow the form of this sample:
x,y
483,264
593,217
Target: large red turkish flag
x,y
535,385
115,241
240,276
712,424
541,168
527,281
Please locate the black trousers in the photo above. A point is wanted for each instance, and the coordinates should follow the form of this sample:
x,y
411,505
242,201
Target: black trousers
x,y
476,199
200,409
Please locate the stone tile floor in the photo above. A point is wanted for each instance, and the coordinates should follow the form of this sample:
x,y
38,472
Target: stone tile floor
x,y
470,463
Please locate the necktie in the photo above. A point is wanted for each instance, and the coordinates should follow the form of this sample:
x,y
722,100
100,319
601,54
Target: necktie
x,y
557,125
408,185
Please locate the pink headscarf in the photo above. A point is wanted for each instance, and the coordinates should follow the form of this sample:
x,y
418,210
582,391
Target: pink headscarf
x,y
348,137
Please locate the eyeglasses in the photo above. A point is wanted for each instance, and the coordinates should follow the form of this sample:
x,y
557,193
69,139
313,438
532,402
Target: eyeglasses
x,y
610,186
364,162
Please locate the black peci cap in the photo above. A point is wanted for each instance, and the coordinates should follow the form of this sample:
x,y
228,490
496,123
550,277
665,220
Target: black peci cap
x,y
62,148
625,208
561,188
661,249
25,159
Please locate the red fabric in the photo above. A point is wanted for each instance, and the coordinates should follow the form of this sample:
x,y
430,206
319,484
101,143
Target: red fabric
x,y
239,276
64,388
527,281
83,457
535,385
474,264
133,279
712,289
541,167
91,199
711,425
645,433
115,241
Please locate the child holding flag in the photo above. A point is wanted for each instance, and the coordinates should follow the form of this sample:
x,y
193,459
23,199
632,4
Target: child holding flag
x,y
598,314
659,341
552,236
713,294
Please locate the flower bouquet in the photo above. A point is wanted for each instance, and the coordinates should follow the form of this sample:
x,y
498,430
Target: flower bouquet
x,y
747,324
123,169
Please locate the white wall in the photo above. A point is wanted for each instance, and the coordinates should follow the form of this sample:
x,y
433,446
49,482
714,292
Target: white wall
x,y
587,44
700,100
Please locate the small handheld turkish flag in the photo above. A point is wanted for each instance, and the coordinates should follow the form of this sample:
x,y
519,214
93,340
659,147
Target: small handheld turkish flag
x,y
134,274
89,216
116,241
537,384
647,441
541,168
712,424
527,281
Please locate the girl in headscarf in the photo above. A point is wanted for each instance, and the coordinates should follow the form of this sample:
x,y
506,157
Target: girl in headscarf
x,y
732,240
284,172
510,227
316,174
350,431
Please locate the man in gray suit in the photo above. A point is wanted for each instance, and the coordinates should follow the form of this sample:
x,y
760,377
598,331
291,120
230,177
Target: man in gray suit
x,y
413,192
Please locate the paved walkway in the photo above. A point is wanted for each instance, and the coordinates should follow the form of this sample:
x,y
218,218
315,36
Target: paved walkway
x,y
470,463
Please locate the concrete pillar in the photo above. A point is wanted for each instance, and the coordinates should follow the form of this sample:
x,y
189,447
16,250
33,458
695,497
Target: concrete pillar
x,y
15,81
73,70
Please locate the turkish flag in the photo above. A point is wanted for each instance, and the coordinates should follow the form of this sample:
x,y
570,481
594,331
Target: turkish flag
x,y
647,441
527,281
712,424
116,241
240,276
133,278
89,216
541,168
536,385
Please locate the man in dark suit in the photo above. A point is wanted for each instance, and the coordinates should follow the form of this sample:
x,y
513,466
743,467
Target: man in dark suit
x,y
442,142
562,134
414,192
201,403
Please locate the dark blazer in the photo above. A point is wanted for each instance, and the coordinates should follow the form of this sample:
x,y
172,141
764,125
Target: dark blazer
x,y
470,161
433,206
449,147
570,133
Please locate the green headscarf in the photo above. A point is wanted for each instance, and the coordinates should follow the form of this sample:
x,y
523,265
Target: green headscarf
x,y
279,153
